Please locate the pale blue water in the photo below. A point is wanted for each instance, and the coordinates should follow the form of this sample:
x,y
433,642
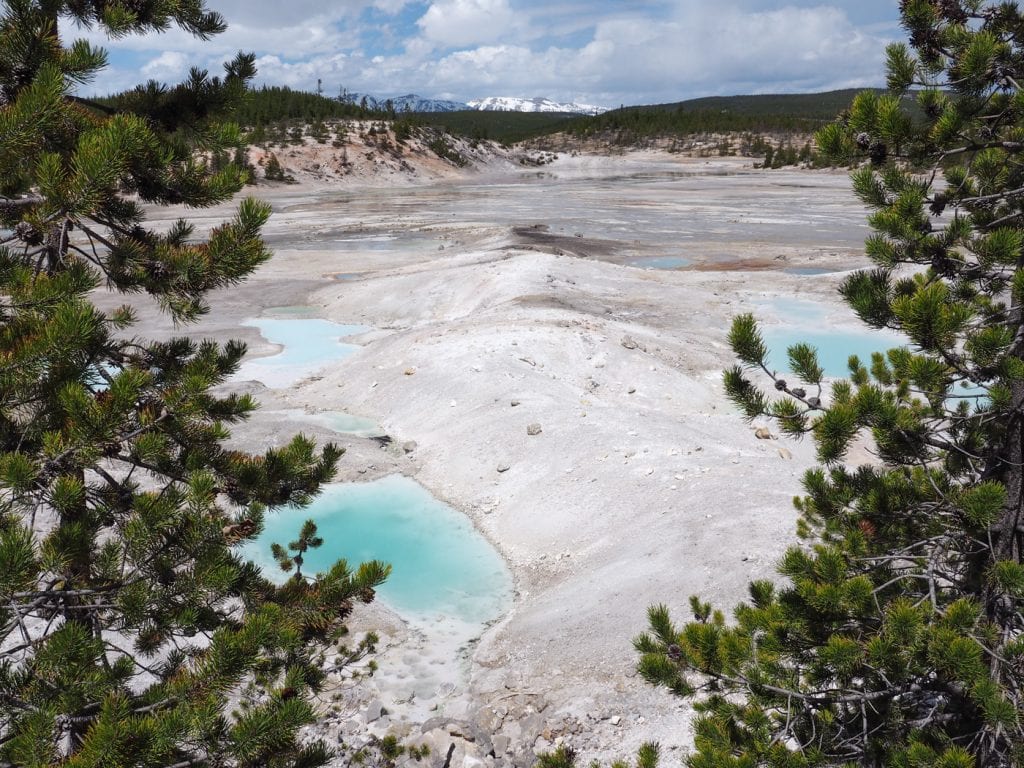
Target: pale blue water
x,y
807,322
440,563
809,325
309,345
834,347
974,394
338,421
662,262
292,311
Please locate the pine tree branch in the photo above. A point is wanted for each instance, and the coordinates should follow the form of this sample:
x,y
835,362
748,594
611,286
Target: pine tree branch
x,y
107,110
24,201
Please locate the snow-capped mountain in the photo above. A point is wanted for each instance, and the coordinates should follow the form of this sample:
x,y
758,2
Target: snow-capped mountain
x,y
410,102
538,104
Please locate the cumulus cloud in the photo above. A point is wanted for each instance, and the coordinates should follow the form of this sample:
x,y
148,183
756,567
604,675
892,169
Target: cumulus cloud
x,y
603,52
168,66
459,23
696,51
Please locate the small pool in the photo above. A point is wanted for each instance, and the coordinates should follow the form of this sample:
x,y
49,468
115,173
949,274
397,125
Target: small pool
x,y
440,564
662,262
337,421
309,345
834,347
808,322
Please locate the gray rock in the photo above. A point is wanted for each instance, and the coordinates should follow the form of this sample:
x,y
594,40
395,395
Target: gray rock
x,y
533,429
501,743
630,343
615,719
503,467
532,726
409,446
374,711
515,403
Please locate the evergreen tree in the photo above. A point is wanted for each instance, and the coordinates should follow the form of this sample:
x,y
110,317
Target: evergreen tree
x,y
274,172
132,630
308,539
896,637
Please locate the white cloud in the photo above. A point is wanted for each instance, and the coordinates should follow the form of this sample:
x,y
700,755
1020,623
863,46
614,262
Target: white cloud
x,y
260,13
169,66
458,23
606,52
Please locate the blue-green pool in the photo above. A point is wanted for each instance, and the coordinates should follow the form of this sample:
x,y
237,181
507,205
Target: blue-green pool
x,y
441,565
662,262
810,323
309,345
834,347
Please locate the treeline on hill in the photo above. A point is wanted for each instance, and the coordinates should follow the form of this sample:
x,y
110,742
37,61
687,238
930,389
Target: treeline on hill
x,y
776,114
273,104
282,116
261,106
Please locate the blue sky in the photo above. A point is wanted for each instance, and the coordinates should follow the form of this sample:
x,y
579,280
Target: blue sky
x,y
600,52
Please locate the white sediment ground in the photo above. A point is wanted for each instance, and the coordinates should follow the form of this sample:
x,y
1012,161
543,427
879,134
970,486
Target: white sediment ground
x,y
504,300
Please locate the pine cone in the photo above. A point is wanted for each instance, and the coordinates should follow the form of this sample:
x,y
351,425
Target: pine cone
x,y
27,233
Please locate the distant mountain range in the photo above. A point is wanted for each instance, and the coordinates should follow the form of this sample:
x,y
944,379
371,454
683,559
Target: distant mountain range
x,y
537,104
410,102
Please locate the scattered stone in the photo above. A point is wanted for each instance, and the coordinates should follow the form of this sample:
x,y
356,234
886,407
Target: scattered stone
x,y
631,390
503,467
515,403
785,453
615,720
410,371
374,711
501,743
452,403
762,433
529,361
409,446
533,429
629,342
